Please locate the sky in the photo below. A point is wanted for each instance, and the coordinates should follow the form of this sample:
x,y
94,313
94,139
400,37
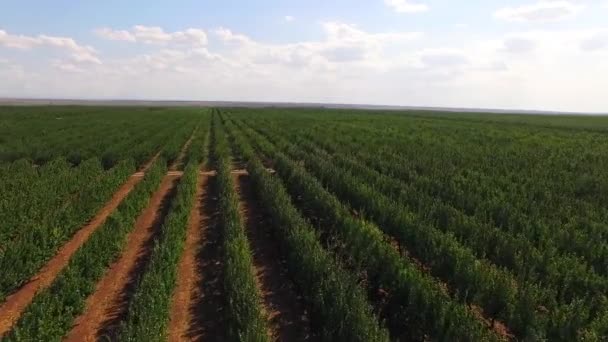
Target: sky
x,y
519,54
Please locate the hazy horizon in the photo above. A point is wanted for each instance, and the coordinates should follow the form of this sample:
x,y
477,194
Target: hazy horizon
x,y
228,103
524,55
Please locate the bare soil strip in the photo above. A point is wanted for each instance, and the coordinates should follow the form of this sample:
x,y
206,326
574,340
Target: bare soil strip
x,y
283,306
197,305
212,173
16,303
107,306
177,164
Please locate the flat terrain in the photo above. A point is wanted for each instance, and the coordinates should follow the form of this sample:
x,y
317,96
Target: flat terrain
x,y
185,223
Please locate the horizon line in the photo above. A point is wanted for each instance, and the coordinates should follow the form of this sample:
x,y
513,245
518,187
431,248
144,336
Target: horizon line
x,y
280,104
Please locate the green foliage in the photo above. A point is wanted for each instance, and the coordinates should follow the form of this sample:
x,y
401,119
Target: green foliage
x,y
44,203
436,215
339,310
148,314
246,321
416,304
430,192
50,315
79,133
34,224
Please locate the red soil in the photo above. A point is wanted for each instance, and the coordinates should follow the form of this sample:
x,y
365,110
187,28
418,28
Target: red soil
x,y
197,303
16,303
199,289
108,304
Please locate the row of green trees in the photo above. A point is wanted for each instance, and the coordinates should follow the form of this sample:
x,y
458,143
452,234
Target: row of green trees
x,y
50,316
472,280
416,305
245,317
111,134
42,208
148,314
338,309
562,283
499,199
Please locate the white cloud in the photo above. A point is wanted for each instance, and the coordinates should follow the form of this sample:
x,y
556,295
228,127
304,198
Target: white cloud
x,y
406,6
519,45
67,67
109,34
440,58
228,36
17,41
79,53
343,43
595,41
289,18
550,69
343,32
154,35
540,11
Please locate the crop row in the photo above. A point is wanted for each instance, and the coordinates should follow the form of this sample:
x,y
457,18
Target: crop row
x,y
245,317
148,314
493,194
566,277
472,280
572,294
53,310
571,291
339,310
35,223
79,133
416,306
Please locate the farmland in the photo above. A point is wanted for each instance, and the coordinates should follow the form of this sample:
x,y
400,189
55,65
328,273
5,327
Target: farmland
x,y
264,224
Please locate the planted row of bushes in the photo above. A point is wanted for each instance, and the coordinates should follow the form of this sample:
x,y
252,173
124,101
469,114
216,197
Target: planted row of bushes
x,y
497,291
50,316
197,153
339,310
568,276
475,280
42,211
148,313
245,318
149,310
565,185
111,134
416,306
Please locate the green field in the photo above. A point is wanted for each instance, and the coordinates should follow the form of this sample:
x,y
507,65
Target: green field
x,y
302,224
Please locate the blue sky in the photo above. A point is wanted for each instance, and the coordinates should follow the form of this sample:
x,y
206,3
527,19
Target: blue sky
x,y
525,54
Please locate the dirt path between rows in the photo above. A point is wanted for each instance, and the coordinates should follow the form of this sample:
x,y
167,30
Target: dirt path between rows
x,y
107,306
179,161
198,303
283,306
213,173
16,303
